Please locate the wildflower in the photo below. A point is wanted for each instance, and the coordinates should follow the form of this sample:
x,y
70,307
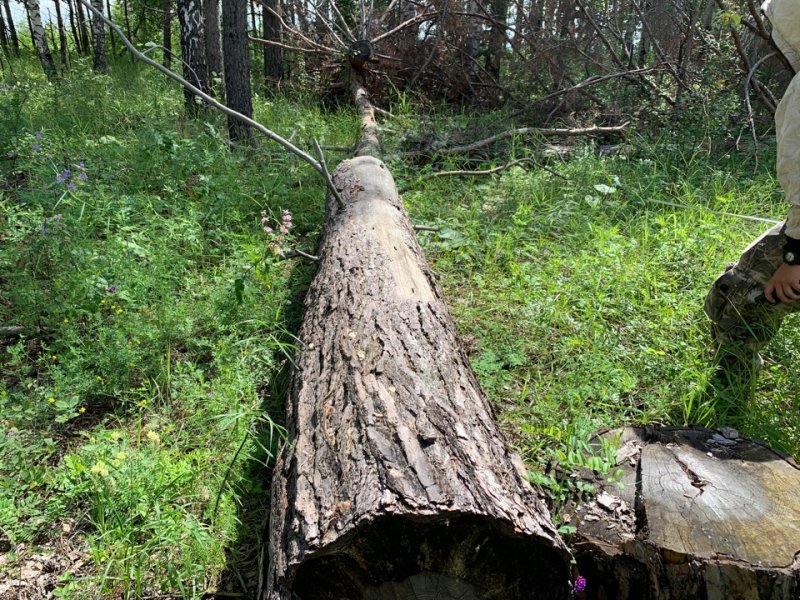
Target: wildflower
x,y
103,301
54,358
37,147
70,186
51,400
119,311
82,176
38,135
579,584
63,176
111,289
268,229
99,468
82,409
286,221
66,320
153,437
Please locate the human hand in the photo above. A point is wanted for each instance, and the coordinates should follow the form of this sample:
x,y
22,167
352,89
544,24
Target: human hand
x,y
784,284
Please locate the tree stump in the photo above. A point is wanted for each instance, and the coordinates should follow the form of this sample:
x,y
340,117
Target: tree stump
x,y
395,483
703,515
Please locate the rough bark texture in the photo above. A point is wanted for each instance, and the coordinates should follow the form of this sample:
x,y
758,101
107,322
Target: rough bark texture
x,y
273,55
39,40
396,482
82,27
213,41
190,17
238,94
703,515
99,39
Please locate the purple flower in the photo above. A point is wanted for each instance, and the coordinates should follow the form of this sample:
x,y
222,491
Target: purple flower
x,y
70,186
65,174
268,229
579,584
82,176
38,135
111,289
37,147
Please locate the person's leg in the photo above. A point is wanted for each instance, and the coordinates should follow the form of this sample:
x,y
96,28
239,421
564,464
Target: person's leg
x,y
742,321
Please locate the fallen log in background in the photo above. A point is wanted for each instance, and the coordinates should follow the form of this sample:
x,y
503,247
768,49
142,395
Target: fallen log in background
x,y
396,482
703,515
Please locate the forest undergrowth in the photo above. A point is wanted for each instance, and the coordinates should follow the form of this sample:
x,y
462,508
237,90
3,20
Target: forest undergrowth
x,y
147,317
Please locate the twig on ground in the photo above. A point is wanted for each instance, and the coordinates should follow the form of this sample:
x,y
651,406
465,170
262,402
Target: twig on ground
x,y
289,254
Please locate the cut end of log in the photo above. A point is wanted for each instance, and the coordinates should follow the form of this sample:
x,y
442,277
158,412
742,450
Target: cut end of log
x,y
703,514
463,556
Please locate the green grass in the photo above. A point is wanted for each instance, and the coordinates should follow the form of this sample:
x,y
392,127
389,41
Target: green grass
x,y
143,406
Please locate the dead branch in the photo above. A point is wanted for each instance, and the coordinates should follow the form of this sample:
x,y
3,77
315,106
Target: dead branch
x,y
289,254
347,30
287,47
407,23
546,132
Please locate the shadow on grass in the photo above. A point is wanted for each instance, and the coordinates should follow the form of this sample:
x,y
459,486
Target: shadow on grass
x,y
246,556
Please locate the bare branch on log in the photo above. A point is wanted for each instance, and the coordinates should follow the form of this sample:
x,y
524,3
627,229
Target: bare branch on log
x,y
295,32
295,253
318,166
327,175
347,30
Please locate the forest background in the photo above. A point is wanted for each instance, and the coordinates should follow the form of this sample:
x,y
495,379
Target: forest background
x,y
148,304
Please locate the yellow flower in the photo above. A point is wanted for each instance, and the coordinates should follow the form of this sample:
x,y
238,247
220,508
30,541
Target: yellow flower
x,y
118,458
51,400
99,468
153,437
66,320
82,409
119,311
103,301
54,358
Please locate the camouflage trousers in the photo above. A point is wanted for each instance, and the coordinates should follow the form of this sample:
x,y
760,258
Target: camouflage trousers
x,y
736,306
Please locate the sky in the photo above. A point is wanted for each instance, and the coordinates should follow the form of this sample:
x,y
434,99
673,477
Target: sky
x,y
47,7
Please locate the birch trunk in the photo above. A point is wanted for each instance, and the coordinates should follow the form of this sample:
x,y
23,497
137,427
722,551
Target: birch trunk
x,y
190,17
99,39
39,39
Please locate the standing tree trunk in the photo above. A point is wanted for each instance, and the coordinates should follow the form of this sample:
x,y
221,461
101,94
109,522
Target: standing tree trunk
x,y
497,37
273,55
3,35
111,37
166,33
213,41
238,95
82,29
63,48
73,27
190,17
12,30
39,39
99,39
396,482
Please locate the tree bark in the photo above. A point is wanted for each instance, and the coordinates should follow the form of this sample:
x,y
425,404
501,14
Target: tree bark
x,y
497,37
63,48
82,29
238,94
273,55
3,35
39,40
74,28
166,33
190,17
396,482
213,41
702,515
99,40
12,30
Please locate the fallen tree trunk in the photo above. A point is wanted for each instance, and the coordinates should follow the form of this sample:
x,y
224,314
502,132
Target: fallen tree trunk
x,y
396,482
702,515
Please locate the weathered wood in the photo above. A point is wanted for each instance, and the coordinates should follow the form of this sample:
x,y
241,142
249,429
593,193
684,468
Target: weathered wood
x,y
396,477
703,515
